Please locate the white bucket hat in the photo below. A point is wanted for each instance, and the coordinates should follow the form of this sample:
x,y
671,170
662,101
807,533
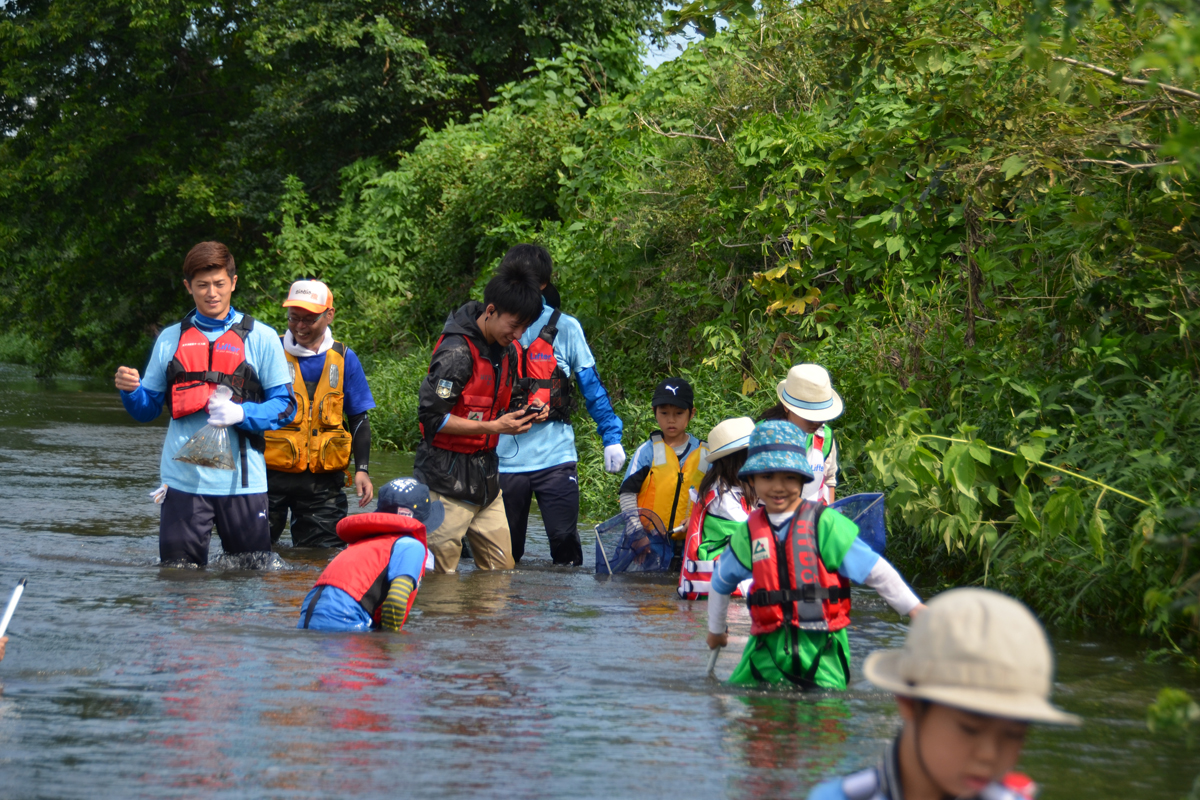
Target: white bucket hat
x,y
977,650
729,436
808,393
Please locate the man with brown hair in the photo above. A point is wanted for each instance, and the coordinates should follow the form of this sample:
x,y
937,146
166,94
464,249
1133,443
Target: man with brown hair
x,y
222,368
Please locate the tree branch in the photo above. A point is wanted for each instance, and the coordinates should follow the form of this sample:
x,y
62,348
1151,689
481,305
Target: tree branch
x,y
1166,87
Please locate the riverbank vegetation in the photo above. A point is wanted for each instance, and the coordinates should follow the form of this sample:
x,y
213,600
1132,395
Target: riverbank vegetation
x,y
983,226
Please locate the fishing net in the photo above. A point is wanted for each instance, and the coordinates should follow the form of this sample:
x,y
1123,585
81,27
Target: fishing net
x,y
633,541
209,447
867,512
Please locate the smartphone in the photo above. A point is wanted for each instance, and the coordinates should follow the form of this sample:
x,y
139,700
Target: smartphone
x,y
532,411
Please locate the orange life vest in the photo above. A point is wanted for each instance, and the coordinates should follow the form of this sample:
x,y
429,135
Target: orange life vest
x,y
695,576
361,569
549,384
482,399
796,590
199,366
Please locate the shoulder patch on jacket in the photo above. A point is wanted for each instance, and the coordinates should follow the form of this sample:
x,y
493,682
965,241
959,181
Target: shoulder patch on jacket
x,y
444,388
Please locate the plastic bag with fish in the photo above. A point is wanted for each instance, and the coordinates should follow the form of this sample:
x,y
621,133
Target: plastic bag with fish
x,y
209,447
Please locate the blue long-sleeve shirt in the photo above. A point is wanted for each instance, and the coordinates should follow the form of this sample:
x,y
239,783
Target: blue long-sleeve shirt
x,y
548,444
265,354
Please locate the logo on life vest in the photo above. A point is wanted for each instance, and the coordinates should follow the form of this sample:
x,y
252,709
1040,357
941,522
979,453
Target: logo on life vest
x,y
444,388
226,347
477,416
759,552
541,357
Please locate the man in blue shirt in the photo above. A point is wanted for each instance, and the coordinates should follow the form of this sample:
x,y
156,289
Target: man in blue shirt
x,y
542,460
194,368
308,457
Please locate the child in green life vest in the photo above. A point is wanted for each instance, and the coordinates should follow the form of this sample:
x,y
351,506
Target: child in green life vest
x,y
719,505
672,462
975,670
808,398
802,557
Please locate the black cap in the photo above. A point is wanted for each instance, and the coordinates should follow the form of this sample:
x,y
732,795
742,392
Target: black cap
x,y
673,392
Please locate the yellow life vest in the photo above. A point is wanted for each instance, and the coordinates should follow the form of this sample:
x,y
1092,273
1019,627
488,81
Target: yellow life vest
x,y
315,440
665,490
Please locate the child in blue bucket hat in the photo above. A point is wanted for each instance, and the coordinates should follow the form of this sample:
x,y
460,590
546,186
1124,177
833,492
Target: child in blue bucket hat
x,y
802,556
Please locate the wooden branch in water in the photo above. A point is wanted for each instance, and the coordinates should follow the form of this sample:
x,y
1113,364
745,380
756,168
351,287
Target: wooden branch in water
x,y
1166,87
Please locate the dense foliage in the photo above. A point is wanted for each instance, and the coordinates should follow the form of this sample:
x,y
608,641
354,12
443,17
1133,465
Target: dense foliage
x,y
130,129
989,237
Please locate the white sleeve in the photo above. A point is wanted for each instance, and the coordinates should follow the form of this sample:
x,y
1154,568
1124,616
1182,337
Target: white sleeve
x,y
886,581
628,502
718,610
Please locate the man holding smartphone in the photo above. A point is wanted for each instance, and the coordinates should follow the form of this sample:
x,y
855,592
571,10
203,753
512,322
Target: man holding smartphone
x,y
463,408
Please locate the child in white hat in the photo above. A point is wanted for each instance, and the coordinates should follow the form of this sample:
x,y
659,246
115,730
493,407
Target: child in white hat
x,y
975,670
807,396
724,507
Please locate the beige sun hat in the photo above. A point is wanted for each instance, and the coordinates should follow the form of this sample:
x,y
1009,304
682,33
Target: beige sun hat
x,y
730,436
977,650
808,393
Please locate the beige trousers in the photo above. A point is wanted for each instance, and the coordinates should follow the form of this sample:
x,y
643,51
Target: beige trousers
x,y
486,530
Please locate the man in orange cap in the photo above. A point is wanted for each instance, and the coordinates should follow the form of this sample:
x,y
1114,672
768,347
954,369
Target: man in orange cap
x,y
307,458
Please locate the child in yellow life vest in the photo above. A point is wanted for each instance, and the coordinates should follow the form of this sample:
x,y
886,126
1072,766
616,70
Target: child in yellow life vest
x,y
802,557
974,671
664,469
719,506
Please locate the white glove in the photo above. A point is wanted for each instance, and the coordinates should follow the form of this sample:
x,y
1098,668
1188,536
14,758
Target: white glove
x,y
614,458
159,494
222,411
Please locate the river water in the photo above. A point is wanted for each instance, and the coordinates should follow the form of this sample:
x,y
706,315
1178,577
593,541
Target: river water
x,y
126,680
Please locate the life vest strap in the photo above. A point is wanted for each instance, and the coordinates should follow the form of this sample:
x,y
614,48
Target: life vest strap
x,y
808,593
698,587
699,566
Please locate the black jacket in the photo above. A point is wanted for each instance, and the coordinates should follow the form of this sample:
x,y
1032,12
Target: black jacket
x,y
471,478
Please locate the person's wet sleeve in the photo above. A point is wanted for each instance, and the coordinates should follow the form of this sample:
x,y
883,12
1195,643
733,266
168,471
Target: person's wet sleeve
x,y
449,372
729,573
608,425
142,404
360,441
276,410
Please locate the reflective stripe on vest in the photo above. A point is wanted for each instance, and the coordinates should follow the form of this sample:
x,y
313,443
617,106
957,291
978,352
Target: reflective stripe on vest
x,y
199,366
481,400
316,439
665,490
550,384
797,590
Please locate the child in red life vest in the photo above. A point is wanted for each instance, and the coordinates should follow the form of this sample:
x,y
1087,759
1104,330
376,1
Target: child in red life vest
x,y
719,506
802,556
975,670
373,582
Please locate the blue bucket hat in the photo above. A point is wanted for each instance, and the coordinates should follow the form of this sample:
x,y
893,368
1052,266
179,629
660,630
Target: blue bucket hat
x,y
410,498
777,446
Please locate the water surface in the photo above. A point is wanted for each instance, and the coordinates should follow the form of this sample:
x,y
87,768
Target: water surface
x,y
126,680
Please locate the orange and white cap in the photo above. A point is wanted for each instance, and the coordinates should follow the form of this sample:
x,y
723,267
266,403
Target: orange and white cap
x,y
312,296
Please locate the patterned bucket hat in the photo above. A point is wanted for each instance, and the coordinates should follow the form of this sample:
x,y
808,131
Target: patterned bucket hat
x,y
777,446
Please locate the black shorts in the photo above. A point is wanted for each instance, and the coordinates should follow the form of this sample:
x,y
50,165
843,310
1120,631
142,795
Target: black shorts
x,y
187,520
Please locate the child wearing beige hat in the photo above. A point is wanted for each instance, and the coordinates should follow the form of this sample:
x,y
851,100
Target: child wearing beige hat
x,y
807,396
975,670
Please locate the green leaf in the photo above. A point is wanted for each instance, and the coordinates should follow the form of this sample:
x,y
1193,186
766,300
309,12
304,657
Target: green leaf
x,y
980,452
1023,503
1032,451
1013,165
1096,533
962,468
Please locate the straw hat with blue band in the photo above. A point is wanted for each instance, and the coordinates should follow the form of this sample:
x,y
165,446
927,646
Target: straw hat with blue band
x,y
729,437
808,393
777,446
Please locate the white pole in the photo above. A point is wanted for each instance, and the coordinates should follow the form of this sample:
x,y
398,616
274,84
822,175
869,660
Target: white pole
x,y
12,605
712,661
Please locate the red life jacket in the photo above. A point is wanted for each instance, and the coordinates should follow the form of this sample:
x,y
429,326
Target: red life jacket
x,y
549,385
200,366
797,590
361,569
695,576
481,399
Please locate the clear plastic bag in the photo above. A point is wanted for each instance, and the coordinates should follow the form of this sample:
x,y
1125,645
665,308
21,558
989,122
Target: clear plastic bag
x,y
209,447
